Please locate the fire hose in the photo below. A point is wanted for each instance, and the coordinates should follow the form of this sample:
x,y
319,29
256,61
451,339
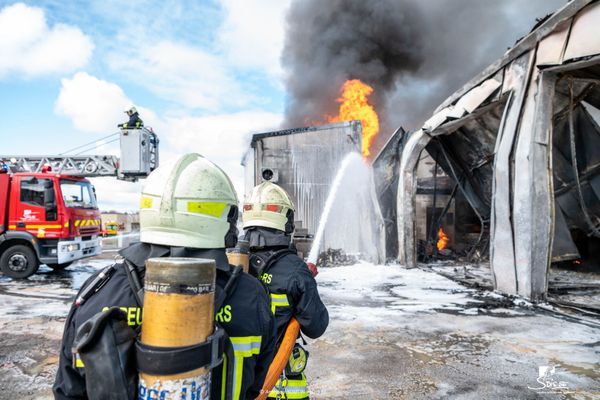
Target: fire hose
x,y
281,358
284,351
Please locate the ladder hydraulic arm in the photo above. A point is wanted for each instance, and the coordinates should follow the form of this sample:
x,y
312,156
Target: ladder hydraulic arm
x,y
139,157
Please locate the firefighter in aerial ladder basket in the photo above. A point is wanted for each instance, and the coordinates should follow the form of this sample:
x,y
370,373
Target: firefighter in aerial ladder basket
x,y
135,122
187,210
268,218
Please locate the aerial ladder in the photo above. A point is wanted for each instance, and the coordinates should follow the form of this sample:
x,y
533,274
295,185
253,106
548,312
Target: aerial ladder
x,y
139,157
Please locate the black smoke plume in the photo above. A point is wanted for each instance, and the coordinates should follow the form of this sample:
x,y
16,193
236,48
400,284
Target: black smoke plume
x,y
414,53
331,41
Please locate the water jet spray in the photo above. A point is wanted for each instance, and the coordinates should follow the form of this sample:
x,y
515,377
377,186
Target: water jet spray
x,y
314,250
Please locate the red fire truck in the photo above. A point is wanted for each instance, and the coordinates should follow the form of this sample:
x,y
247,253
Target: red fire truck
x,y
48,218
48,210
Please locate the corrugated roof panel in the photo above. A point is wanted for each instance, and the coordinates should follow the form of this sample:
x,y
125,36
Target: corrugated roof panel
x,y
584,39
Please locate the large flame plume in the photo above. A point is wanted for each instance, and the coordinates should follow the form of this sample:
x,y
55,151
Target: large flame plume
x,y
442,240
354,105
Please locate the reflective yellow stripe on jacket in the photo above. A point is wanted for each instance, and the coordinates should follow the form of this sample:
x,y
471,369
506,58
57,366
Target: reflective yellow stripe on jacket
x,y
78,363
278,300
289,388
243,347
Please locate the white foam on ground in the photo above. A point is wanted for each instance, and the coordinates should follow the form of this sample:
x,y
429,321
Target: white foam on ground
x,y
380,296
383,294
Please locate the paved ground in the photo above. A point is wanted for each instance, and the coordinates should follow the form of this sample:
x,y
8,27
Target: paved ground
x,y
394,333
413,334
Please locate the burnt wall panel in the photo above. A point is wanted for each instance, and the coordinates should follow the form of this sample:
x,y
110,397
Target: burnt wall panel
x,y
385,169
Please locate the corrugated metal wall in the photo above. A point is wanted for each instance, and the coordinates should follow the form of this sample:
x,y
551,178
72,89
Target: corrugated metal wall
x,y
305,161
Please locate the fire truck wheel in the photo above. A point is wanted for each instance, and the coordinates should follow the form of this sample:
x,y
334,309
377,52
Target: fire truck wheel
x,y
19,262
59,267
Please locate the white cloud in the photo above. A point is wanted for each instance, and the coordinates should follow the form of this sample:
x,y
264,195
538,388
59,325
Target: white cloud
x,y
117,195
186,75
178,63
30,48
94,105
253,32
222,139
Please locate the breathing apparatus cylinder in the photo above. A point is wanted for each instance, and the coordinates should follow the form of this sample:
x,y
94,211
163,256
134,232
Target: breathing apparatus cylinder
x,y
240,255
178,312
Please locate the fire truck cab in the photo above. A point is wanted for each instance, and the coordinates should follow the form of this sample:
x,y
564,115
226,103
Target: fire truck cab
x,y
46,218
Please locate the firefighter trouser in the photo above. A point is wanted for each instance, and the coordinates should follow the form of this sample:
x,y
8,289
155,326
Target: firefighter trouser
x,y
290,387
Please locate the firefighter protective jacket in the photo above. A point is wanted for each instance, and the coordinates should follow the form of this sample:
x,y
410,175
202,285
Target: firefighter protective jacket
x,y
245,316
293,290
135,122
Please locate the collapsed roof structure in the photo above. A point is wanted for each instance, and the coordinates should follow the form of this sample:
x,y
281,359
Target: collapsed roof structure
x,y
522,141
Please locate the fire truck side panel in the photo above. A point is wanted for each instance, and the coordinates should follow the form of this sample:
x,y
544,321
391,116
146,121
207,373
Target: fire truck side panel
x,y
30,205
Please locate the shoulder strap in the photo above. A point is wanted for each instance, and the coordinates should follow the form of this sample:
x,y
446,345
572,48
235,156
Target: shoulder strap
x,y
93,284
134,282
223,295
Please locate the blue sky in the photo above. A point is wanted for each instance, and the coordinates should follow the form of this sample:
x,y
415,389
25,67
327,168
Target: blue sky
x,y
205,74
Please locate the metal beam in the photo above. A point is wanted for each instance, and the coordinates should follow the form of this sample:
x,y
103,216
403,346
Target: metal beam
x,y
90,166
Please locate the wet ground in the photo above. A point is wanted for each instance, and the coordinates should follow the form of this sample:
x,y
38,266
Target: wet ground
x,y
573,288
394,334
32,316
31,324
413,334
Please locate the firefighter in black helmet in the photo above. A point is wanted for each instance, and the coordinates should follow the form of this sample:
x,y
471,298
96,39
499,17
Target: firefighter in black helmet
x,y
187,210
268,224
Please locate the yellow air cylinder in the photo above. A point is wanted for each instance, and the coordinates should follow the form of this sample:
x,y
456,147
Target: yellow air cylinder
x,y
239,255
178,311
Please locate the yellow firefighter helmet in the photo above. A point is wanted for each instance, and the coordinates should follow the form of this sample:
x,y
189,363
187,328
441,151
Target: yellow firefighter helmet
x,y
189,204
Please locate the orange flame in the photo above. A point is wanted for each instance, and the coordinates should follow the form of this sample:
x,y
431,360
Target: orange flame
x,y
354,105
442,240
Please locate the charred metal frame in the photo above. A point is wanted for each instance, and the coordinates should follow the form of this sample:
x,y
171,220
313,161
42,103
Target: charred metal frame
x,y
522,211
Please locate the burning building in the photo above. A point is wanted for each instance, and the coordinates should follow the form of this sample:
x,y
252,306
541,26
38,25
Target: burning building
x,y
521,142
327,172
306,162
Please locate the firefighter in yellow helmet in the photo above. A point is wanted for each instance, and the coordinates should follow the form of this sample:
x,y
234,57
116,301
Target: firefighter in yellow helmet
x,y
188,209
268,218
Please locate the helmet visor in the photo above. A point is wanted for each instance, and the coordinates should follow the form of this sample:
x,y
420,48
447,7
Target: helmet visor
x,y
266,207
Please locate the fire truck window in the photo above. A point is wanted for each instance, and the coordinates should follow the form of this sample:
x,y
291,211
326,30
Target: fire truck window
x,y
77,194
32,191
